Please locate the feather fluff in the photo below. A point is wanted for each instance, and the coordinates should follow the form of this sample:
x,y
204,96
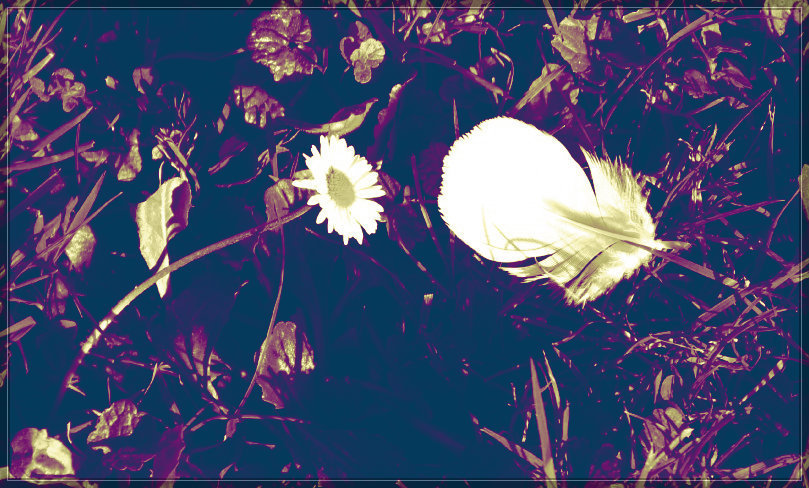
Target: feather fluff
x,y
512,192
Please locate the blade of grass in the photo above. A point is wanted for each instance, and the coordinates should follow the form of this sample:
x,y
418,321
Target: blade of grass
x,y
542,427
46,160
521,452
39,192
534,90
56,134
81,214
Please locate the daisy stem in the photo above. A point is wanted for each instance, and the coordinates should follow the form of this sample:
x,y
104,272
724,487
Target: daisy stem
x,y
119,307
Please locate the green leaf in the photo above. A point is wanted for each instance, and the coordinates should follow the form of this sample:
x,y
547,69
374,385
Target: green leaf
x,y
666,391
345,121
284,354
80,248
36,455
778,12
167,460
128,165
281,197
141,77
159,218
278,40
257,104
118,420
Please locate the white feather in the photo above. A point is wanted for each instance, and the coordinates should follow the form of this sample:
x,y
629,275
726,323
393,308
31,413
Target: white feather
x,y
512,192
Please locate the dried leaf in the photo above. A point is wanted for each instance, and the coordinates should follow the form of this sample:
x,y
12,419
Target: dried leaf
x,y
572,39
435,32
38,87
111,82
38,456
777,14
142,76
98,157
278,41
119,420
159,218
129,165
64,84
80,248
22,130
278,359
696,84
257,104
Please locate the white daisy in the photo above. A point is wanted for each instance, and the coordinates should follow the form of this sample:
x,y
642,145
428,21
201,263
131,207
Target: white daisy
x,y
344,183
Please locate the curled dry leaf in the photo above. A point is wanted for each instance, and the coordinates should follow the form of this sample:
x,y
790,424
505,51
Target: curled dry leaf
x,y
159,218
22,130
118,420
70,91
257,104
278,40
39,456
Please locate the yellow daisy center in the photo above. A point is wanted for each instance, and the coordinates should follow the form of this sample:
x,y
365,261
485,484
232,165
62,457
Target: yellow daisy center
x,y
340,188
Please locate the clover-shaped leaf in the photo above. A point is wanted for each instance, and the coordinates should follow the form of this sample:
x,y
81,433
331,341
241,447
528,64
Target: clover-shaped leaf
x,y
370,55
362,51
64,84
257,104
277,40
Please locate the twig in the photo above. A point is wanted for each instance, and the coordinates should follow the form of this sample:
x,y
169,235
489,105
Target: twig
x,y
95,336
